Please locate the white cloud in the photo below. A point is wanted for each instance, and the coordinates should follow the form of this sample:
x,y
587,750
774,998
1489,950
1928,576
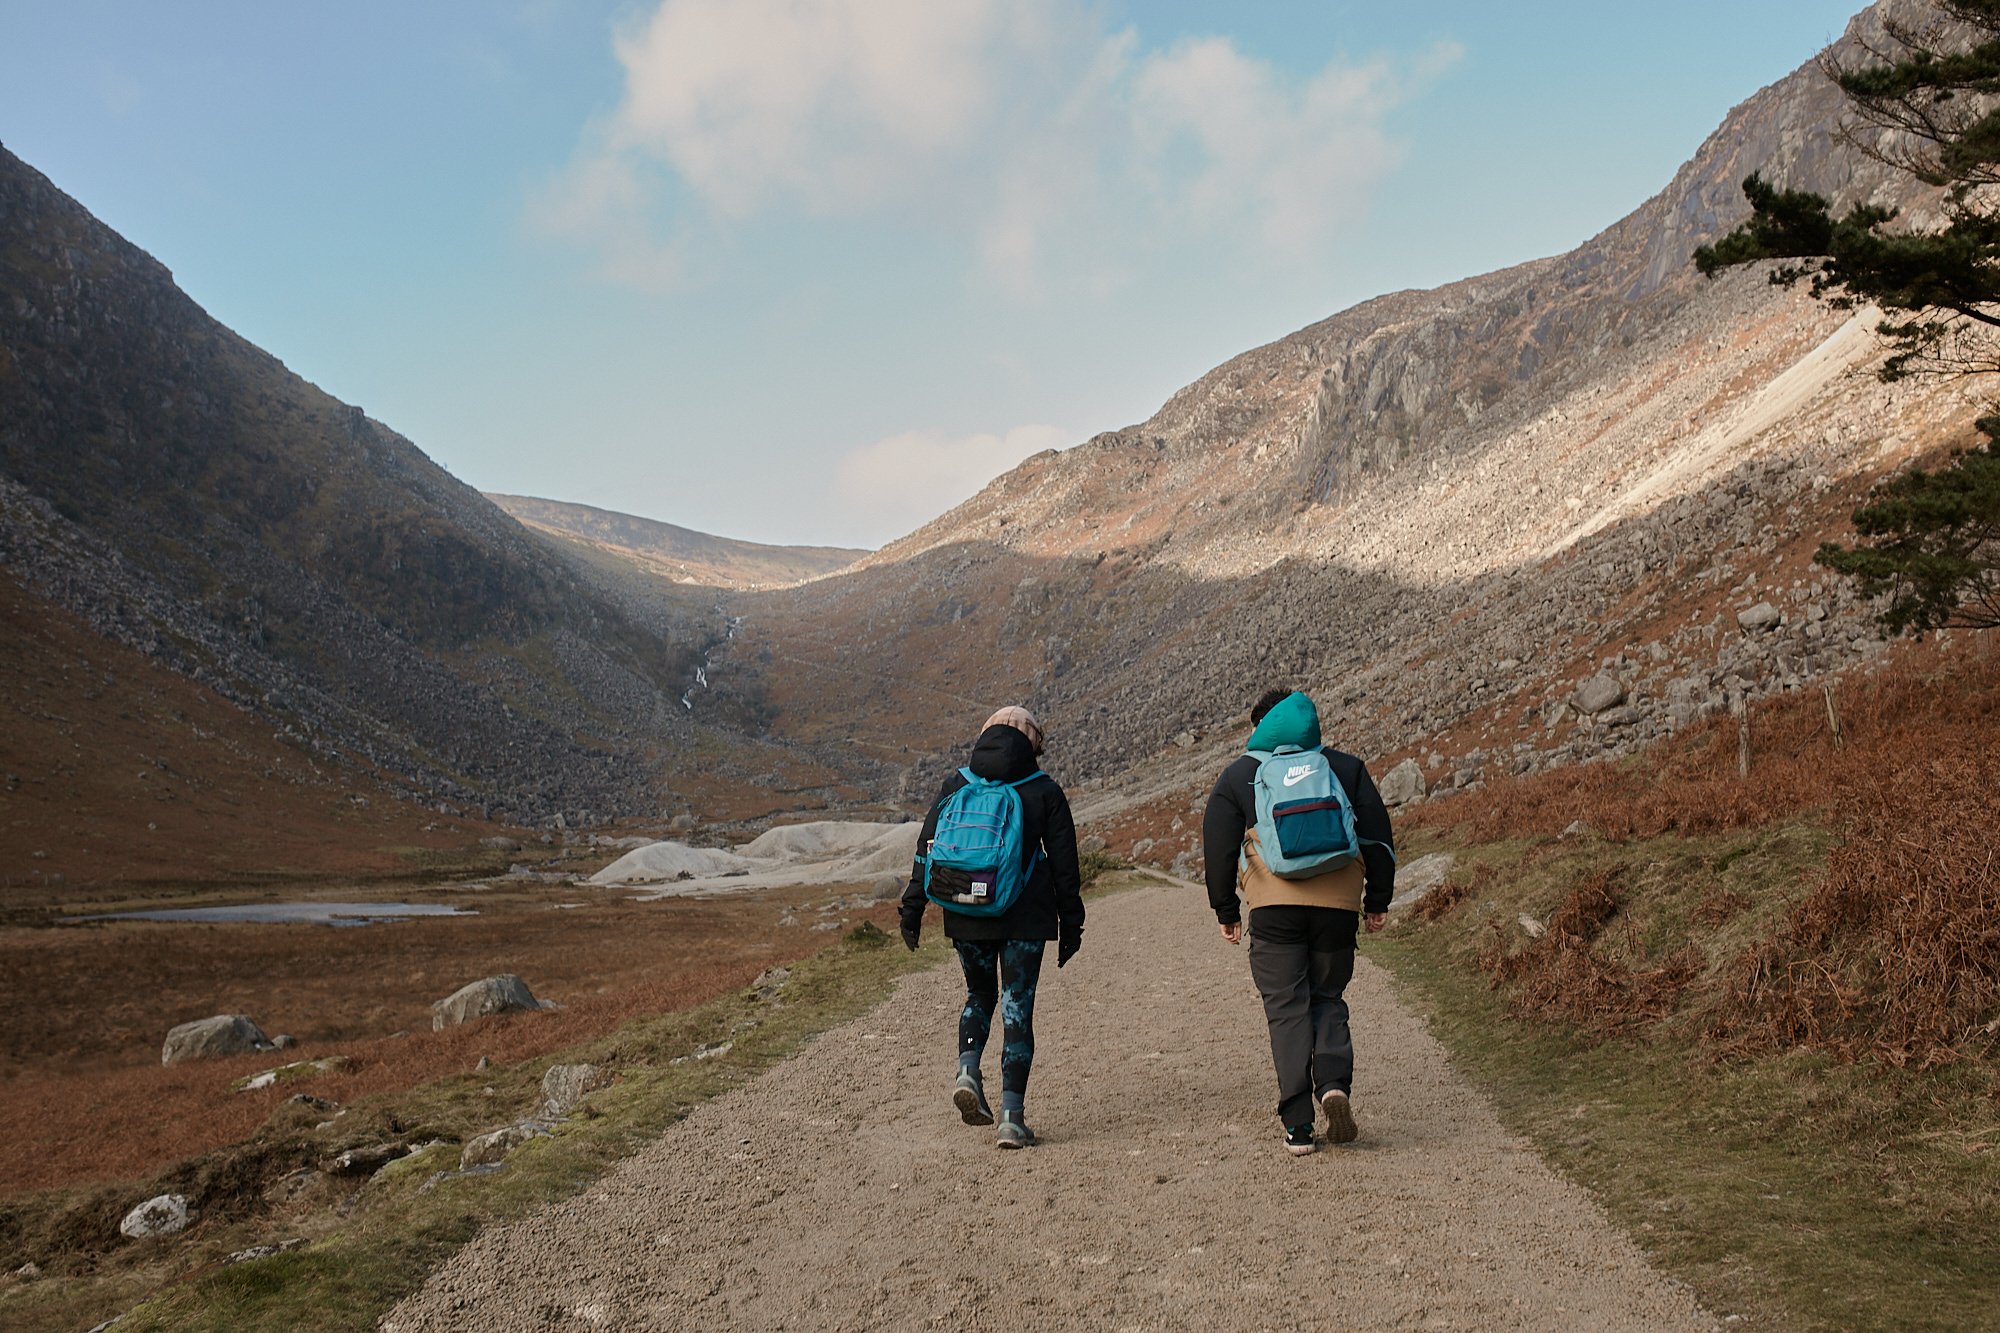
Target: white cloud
x,y
1066,157
601,201
897,484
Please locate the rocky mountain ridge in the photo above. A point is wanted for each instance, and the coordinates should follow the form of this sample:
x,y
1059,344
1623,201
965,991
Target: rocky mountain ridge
x,y
1444,512
678,554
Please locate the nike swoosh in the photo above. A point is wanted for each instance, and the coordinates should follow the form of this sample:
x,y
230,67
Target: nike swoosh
x,y
1294,779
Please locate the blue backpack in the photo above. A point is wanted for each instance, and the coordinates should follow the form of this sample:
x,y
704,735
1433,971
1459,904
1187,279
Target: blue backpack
x,y
1305,823
976,863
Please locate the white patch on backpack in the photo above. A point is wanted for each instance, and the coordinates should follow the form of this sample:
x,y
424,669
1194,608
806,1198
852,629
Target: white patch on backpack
x,y
1298,773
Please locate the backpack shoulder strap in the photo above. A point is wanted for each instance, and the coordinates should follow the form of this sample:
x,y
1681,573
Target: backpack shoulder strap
x,y
1022,782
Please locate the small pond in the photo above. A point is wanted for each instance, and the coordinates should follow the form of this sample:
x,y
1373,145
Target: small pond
x,y
321,914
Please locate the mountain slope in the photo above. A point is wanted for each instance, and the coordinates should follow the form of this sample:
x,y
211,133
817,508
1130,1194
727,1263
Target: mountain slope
x,y
186,494
1440,511
680,554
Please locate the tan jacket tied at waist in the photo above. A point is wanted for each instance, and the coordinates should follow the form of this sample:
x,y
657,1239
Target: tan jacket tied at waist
x,y
1340,888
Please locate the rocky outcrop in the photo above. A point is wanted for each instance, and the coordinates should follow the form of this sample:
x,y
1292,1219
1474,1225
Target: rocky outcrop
x,y
210,1038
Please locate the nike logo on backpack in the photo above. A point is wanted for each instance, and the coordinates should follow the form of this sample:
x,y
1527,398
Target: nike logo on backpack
x,y
1298,775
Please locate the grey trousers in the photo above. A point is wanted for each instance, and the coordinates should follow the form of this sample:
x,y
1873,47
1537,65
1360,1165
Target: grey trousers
x,y
1302,959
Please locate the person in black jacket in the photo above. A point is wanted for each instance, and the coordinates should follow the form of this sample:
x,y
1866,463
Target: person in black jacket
x,y
1002,955
1302,931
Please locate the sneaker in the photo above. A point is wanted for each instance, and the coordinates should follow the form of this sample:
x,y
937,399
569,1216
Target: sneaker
x,y
1014,1133
1340,1127
970,1099
1299,1140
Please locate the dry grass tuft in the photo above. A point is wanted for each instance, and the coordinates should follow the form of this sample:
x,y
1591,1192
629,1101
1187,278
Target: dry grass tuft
x,y
1563,976
1718,906
1439,902
1896,949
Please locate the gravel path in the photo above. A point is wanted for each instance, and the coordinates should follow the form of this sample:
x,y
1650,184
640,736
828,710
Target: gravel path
x,y
839,1190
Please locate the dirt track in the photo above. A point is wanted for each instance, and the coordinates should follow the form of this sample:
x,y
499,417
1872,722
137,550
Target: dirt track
x,y
840,1190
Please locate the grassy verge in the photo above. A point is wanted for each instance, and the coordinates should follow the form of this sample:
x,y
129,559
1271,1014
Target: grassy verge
x,y
1792,1188
366,1246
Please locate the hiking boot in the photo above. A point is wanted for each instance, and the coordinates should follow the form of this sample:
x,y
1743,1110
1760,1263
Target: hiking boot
x,y
1299,1140
1340,1127
1013,1132
970,1099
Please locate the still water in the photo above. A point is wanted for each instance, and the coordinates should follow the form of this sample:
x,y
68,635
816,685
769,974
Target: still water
x,y
323,914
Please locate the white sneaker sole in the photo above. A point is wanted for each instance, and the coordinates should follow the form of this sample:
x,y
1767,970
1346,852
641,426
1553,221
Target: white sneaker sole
x,y
1340,1126
1301,1149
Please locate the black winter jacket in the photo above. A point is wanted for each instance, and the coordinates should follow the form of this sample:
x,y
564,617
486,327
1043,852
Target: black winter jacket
x,y
1051,902
1232,809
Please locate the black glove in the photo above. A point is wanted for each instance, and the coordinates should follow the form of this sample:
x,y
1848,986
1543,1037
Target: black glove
x,y
1067,945
911,934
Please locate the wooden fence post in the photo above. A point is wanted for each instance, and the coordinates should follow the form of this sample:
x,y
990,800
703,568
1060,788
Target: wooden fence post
x,y
1832,717
1741,707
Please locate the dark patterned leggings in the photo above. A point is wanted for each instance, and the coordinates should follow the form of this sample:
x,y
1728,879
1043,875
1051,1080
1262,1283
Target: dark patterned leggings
x,y
1003,972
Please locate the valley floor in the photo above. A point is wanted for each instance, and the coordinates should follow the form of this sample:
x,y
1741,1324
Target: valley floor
x,y
839,1190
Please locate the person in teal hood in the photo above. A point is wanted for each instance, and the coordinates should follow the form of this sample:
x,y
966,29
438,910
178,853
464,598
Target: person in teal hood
x,y
1302,927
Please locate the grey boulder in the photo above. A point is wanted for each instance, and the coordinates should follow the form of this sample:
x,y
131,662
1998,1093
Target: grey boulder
x,y
1759,617
1404,783
163,1215
1422,875
1597,694
489,1148
206,1038
566,1085
488,995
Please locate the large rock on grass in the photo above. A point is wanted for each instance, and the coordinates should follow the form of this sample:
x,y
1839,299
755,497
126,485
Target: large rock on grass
x,y
489,995
164,1215
206,1038
1422,875
566,1085
487,1149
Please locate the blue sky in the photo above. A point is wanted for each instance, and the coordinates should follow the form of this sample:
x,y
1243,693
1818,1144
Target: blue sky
x,y
812,270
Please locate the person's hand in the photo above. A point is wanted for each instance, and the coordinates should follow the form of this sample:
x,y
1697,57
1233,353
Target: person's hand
x,y
1067,946
1233,931
911,934
1377,920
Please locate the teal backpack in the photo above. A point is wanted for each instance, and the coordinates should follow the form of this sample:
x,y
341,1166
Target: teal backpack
x,y
976,863
1305,823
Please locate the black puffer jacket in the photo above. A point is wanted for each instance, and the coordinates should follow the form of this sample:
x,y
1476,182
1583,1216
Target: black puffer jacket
x,y
1051,902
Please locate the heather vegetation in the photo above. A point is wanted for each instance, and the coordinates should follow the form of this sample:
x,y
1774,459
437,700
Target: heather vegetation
x,y
1680,978
1889,946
